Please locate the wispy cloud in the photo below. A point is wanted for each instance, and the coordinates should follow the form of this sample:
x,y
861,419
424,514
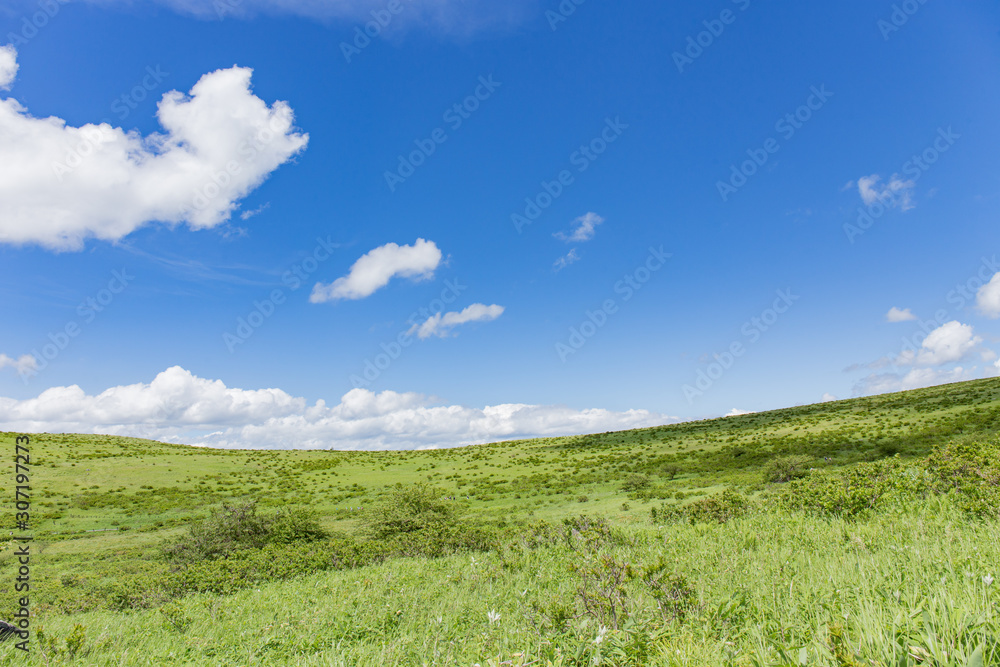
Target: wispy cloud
x,y
375,269
566,260
23,364
583,230
896,193
461,17
441,324
899,315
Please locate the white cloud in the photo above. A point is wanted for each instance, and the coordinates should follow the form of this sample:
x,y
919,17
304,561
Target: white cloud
x,y
8,66
897,315
566,260
453,16
917,378
584,230
246,215
948,343
441,324
988,298
375,269
828,398
61,184
23,364
180,407
736,412
896,193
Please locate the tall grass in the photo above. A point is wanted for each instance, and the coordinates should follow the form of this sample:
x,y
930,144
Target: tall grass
x,y
903,587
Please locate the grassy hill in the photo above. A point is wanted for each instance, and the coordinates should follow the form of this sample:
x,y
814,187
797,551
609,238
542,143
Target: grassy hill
x,y
748,591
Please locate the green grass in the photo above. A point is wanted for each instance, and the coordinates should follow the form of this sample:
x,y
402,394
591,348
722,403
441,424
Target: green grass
x,y
768,588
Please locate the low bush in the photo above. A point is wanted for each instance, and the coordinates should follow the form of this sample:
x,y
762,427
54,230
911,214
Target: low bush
x,y
722,508
236,527
785,469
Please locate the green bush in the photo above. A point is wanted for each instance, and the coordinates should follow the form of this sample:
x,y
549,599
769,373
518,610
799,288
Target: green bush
x,y
235,527
291,525
970,471
785,469
967,471
410,509
418,520
722,508
863,488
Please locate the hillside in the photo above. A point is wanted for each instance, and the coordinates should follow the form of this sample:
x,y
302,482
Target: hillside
x,y
103,507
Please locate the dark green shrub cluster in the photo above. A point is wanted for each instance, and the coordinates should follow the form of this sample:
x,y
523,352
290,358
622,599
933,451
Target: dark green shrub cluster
x,y
967,471
970,471
419,520
722,508
863,488
785,469
236,527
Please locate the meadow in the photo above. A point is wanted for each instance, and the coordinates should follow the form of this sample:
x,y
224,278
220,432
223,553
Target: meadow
x,y
859,532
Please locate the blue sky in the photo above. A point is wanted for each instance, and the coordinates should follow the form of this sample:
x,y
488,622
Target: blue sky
x,y
873,84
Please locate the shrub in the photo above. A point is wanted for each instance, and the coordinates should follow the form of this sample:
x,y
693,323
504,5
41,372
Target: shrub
x,y
856,491
236,527
970,471
722,508
408,510
290,525
418,521
635,483
785,469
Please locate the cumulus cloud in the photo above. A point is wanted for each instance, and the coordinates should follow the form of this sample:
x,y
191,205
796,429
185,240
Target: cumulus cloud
x,y
988,298
896,193
61,184
898,315
948,343
178,406
828,398
8,66
23,364
375,269
585,227
566,260
736,412
441,324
